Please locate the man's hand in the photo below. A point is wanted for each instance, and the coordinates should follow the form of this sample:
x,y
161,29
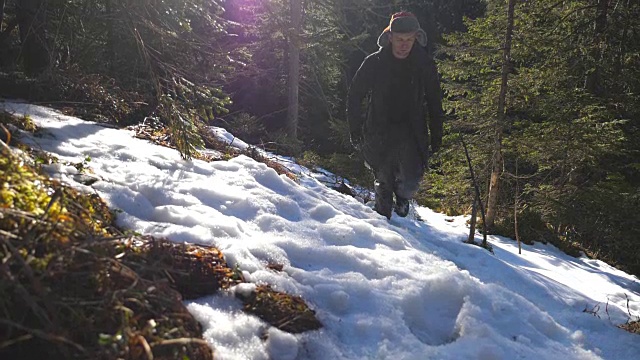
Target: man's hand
x,y
356,140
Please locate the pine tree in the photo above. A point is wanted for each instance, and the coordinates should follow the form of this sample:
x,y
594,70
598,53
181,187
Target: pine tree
x,y
166,54
563,131
30,16
500,121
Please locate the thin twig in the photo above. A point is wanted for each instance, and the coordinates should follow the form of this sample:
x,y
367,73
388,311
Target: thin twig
x,y
180,341
515,211
36,285
477,191
6,344
8,133
145,345
43,335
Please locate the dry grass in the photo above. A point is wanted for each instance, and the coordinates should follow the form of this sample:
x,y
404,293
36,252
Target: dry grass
x,y
74,286
159,134
193,270
632,327
283,311
65,292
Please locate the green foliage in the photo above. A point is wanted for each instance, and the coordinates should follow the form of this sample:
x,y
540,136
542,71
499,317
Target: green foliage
x,y
23,122
280,143
563,143
78,288
183,127
570,129
259,81
22,189
340,134
348,166
335,37
600,222
448,188
83,165
10,124
124,60
247,127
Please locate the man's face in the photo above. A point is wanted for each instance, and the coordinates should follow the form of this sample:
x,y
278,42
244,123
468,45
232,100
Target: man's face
x,y
401,43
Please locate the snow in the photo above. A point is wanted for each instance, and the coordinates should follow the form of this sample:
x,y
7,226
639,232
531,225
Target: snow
x,y
383,289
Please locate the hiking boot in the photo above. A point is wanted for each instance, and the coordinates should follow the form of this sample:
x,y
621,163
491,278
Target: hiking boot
x,y
383,209
401,206
384,199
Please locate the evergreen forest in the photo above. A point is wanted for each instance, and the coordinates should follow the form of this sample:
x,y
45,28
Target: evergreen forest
x,y
542,97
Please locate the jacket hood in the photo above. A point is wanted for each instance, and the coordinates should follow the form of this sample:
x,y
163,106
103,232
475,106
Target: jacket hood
x,y
403,22
383,39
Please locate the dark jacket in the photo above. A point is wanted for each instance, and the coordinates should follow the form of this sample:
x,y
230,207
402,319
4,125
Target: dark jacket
x,y
398,92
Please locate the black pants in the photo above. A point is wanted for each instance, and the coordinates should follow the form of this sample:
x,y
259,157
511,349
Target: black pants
x,y
397,171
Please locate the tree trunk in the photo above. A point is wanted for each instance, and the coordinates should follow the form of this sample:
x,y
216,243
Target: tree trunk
x,y
496,171
111,40
516,204
622,48
294,67
31,22
593,82
494,183
1,14
477,202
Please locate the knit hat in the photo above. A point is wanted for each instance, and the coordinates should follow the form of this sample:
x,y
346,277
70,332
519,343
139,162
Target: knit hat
x,y
403,22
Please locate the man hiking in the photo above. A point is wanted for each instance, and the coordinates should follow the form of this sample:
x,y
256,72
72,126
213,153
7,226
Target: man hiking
x,y
398,81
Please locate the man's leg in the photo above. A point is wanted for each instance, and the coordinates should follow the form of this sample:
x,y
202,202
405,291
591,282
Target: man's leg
x,y
381,160
383,187
407,179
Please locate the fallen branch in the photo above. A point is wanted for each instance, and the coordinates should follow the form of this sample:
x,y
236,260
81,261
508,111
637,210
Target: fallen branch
x,y
43,335
478,199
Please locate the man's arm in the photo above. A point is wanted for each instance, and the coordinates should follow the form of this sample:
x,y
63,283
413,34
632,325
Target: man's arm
x,y
360,86
434,104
